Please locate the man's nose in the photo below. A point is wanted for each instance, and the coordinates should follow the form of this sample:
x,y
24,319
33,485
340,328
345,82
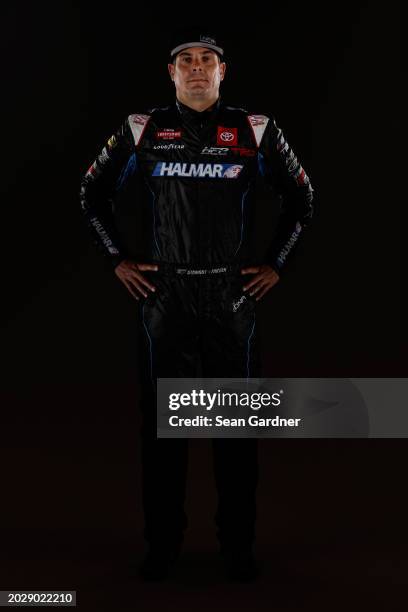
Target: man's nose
x,y
197,65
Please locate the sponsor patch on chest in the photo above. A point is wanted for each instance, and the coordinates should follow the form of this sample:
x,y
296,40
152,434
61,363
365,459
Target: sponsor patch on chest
x,y
168,134
237,303
222,151
186,170
227,137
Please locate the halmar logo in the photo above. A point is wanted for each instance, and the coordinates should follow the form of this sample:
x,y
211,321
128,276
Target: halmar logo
x,y
185,170
289,245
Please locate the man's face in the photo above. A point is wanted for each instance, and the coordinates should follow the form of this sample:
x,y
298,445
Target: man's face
x,y
197,72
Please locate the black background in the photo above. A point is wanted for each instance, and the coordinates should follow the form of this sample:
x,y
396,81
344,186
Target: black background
x,y
71,74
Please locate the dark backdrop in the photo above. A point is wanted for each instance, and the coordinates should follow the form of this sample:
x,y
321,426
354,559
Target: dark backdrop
x,y
329,72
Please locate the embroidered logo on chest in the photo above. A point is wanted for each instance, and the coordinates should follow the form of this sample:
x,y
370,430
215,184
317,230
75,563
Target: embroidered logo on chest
x,y
186,170
227,136
168,134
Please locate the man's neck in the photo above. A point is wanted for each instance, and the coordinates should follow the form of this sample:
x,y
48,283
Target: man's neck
x,y
197,105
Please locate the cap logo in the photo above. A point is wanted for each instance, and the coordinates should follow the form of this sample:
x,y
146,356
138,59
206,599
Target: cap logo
x,y
208,40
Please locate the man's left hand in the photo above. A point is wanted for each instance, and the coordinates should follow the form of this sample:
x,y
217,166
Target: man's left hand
x,y
265,278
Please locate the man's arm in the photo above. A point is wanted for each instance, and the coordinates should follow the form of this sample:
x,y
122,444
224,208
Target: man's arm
x,y
106,175
282,169
109,171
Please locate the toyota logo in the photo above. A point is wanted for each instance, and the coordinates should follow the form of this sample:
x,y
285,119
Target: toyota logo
x,y
227,136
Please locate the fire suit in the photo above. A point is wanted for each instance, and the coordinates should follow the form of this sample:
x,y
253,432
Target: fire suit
x,y
199,169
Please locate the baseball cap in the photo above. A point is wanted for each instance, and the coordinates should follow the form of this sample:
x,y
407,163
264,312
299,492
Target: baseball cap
x,y
195,37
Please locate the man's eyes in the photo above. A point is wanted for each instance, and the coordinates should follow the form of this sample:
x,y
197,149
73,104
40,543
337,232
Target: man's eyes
x,y
205,58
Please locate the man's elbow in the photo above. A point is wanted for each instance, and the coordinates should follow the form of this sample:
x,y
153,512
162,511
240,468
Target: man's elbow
x,y
309,204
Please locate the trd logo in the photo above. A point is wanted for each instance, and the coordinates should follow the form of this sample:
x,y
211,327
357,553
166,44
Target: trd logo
x,y
215,151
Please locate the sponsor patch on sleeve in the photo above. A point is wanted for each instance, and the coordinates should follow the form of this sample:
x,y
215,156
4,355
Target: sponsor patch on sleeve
x,y
258,124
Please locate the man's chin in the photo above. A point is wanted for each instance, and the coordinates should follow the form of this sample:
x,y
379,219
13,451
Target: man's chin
x,y
199,92
198,88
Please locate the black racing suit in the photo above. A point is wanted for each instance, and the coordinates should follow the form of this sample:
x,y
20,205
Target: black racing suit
x,y
199,169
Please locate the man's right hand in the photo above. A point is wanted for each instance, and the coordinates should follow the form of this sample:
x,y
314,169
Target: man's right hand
x,y
130,273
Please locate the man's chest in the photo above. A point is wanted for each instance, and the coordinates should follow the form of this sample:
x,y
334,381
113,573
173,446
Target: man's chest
x,y
210,143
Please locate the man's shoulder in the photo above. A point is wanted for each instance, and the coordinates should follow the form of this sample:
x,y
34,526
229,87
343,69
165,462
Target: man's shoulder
x,y
157,111
256,122
149,113
248,113
259,123
138,122
231,108
233,112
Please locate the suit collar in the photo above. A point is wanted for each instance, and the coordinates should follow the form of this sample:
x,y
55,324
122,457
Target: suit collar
x,y
190,114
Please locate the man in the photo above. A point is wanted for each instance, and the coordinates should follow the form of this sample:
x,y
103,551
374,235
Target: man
x,y
199,285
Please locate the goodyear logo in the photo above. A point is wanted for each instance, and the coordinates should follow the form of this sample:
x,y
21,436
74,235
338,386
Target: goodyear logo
x,y
186,170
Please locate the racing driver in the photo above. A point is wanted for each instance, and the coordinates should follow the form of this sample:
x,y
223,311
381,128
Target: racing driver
x,y
197,160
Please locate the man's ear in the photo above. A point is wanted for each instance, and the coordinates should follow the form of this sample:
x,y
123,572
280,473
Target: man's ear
x,y
171,71
223,68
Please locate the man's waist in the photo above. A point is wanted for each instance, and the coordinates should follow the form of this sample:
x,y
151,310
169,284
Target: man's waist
x,y
199,270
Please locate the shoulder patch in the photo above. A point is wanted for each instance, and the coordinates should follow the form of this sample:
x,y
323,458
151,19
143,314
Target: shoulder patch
x,y
258,124
138,125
